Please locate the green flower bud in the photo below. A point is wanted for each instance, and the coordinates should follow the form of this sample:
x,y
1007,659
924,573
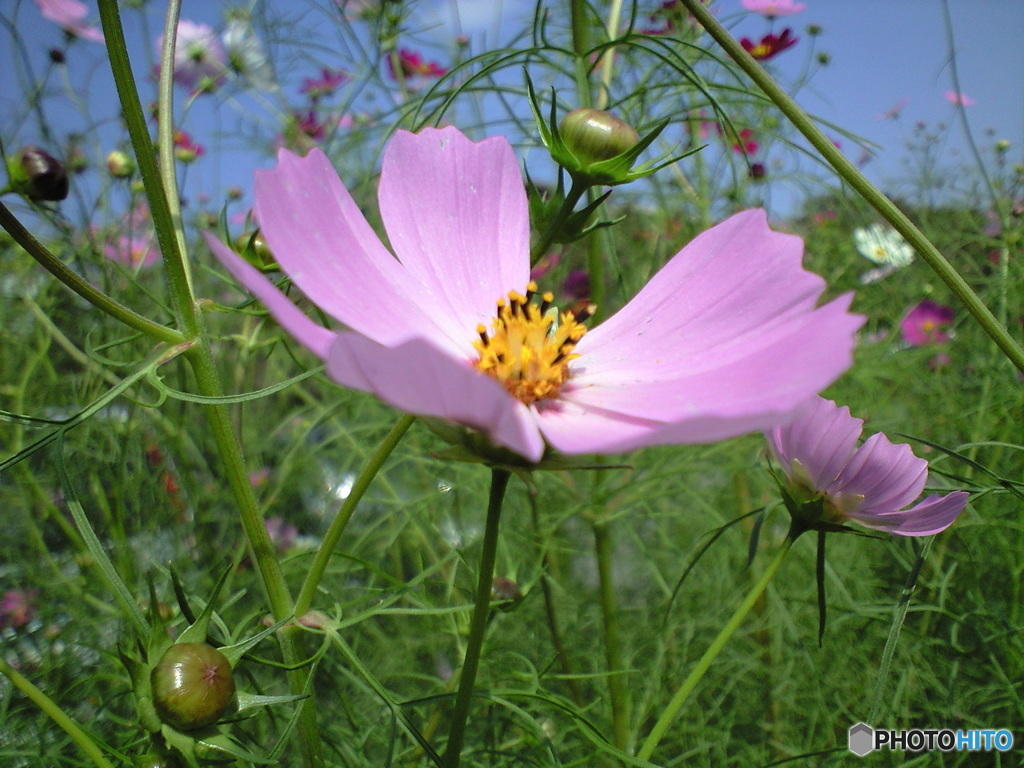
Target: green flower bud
x,y
38,175
120,165
193,685
592,135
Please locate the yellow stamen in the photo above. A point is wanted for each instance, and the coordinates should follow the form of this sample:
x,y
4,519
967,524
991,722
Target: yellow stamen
x,y
527,351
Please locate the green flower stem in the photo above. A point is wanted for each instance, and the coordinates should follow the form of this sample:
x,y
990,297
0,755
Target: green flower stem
x,y
608,57
670,712
165,131
547,237
86,290
478,624
899,616
849,173
207,377
359,487
55,713
612,647
156,194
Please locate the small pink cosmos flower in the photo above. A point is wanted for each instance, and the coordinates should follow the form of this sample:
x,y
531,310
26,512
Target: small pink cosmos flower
x,y
328,82
959,99
414,65
136,246
70,15
185,149
770,45
17,607
726,339
200,63
833,481
773,8
927,324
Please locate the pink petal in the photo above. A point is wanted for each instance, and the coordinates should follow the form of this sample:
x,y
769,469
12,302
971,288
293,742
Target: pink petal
x,y
420,378
456,215
822,436
722,295
313,337
931,516
324,244
888,476
781,368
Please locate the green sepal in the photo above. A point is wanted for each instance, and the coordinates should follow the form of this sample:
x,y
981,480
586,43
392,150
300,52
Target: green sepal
x,y
235,652
221,747
250,703
197,631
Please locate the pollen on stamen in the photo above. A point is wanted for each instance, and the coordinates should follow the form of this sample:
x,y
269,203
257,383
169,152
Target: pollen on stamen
x,y
529,348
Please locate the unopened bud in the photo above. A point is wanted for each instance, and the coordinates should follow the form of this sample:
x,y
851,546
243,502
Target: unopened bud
x,y
592,135
38,175
506,593
120,165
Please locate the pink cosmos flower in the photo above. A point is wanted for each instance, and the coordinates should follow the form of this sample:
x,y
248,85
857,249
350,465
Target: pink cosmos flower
x,y
743,142
773,8
959,99
832,481
200,63
136,247
770,45
70,15
325,85
926,324
727,338
894,111
414,65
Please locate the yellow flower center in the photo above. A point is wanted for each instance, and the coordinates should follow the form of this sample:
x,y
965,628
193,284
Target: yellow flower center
x,y
529,347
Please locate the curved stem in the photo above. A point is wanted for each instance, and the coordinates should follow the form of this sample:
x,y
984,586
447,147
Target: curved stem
x,y
478,624
670,712
359,487
849,173
55,713
86,290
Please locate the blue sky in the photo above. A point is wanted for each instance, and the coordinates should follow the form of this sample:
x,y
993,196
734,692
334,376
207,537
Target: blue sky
x,y
882,52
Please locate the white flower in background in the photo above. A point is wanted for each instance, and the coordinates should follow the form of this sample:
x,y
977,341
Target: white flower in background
x,y
199,60
246,55
883,246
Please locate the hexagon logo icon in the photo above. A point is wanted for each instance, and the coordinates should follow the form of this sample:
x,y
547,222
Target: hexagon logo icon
x,y
861,739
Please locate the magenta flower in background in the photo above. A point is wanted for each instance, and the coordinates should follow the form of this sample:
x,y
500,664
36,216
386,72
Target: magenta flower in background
x,y
830,481
69,15
727,338
959,99
770,45
200,63
742,142
413,65
135,247
927,323
328,82
894,111
773,8
17,608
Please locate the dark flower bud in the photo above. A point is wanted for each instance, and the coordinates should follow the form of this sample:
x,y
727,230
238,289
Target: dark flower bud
x,y
57,56
592,135
506,593
38,175
192,685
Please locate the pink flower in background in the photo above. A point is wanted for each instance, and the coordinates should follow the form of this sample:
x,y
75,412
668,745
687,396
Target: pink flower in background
x,y
959,99
186,150
17,608
742,142
69,15
773,8
927,323
328,82
770,45
830,481
727,338
412,64
311,125
893,112
135,247
200,63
